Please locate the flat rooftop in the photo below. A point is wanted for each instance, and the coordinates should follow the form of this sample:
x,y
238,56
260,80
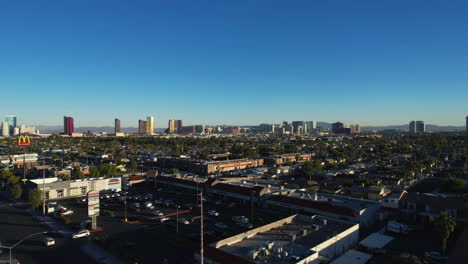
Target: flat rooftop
x,y
297,235
356,204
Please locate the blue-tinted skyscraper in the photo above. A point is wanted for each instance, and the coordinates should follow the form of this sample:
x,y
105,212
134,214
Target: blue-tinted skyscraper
x,y
11,119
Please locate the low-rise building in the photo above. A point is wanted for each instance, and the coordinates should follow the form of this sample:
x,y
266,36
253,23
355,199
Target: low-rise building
x,y
203,167
295,239
57,189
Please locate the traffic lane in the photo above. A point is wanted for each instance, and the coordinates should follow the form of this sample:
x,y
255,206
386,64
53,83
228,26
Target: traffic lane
x,y
16,223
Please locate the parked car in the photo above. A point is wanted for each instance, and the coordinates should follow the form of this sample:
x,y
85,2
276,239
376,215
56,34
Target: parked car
x,y
221,225
168,203
232,205
158,213
81,233
148,204
246,225
158,202
48,241
213,213
164,219
184,221
240,219
85,224
135,205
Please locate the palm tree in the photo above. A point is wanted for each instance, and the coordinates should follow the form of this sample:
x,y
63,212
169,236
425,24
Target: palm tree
x,y
444,225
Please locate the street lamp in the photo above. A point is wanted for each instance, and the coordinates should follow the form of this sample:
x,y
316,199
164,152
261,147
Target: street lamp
x,y
11,248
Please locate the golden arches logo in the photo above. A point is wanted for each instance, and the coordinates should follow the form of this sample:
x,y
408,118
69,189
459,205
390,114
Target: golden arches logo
x,y
24,141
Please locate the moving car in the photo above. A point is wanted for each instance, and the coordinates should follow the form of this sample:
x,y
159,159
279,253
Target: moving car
x,y
48,241
81,233
66,212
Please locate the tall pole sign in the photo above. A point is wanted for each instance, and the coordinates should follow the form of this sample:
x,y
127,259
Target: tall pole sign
x,y
93,207
24,141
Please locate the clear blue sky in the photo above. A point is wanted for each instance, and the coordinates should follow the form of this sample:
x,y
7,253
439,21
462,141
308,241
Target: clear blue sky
x,y
234,62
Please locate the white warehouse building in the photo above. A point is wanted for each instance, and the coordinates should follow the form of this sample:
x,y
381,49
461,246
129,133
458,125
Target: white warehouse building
x,y
58,189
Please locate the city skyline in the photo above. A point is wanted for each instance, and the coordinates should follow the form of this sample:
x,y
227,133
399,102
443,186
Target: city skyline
x,y
225,63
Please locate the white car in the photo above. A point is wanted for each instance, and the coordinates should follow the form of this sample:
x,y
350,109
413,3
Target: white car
x,y
81,233
184,221
48,241
164,219
213,213
68,212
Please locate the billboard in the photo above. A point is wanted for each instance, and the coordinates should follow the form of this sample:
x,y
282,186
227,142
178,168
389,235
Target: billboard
x,y
24,141
93,203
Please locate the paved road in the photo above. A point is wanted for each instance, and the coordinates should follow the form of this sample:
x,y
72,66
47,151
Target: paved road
x,y
16,223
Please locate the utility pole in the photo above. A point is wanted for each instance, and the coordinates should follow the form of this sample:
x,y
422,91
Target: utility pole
x,y
43,187
177,219
251,206
201,227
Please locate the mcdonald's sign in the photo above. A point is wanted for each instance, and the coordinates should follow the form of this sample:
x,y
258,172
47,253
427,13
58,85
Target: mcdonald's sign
x,y
24,141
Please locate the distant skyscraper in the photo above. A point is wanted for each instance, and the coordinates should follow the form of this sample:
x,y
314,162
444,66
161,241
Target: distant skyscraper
x,y
117,126
466,123
68,125
357,128
420,127
338,127
5,129
141,126
174,126
11,119
310,126
298,127
150,125
412,127
351,128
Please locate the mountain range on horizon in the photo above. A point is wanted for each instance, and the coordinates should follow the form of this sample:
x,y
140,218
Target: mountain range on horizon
x,y
109,129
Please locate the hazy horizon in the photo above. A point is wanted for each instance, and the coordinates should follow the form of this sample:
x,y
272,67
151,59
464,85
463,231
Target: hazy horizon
x,y
241,62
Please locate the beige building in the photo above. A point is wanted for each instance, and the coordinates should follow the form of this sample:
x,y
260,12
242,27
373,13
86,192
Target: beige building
x,y
150,125
174,126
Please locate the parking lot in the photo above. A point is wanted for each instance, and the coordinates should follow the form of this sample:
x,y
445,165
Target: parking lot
x,y
146,239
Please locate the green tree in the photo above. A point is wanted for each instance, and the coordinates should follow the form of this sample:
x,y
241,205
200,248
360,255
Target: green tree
x,y
175,171
12,180
35,198
5,174
444,226
16,191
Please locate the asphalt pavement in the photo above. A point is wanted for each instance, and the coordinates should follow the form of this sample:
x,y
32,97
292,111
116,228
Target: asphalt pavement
x,y
17,223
